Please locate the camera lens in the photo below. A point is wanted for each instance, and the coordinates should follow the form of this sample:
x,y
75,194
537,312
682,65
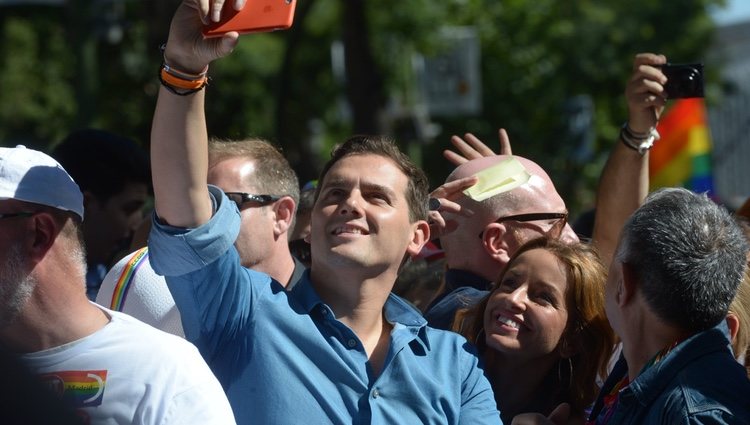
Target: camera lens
x,y
683,81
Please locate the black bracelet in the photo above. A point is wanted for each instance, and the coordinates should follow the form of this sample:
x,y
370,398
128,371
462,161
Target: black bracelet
x,y
178,91
180,75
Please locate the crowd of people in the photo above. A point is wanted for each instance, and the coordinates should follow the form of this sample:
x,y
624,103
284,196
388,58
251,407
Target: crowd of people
x,y
362,297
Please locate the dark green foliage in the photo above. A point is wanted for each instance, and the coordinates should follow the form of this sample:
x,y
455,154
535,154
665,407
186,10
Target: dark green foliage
x,y
536,55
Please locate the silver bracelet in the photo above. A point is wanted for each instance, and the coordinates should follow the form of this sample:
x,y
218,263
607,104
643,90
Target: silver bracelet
x,y
640,142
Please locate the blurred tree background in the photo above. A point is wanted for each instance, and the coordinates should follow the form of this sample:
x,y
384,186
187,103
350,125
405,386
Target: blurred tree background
x,y
551,72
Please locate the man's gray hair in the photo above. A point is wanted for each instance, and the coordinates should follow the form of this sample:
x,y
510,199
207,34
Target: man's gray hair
x,y
688,255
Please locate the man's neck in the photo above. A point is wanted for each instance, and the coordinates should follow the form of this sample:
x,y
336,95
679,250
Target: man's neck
x,y
42,326
280,267
352,292
358,303
646,339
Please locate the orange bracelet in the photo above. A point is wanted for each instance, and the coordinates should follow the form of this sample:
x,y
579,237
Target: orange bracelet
x,y
180,83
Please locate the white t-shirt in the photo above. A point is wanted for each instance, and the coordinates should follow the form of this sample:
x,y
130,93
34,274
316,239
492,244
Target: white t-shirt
x,y
131,373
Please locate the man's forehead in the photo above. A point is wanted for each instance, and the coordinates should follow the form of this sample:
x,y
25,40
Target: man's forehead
x,y
237,172
381,169
243,164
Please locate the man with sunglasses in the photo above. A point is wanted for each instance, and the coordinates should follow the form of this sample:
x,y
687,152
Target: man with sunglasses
x,y
257,177
259,180
483,242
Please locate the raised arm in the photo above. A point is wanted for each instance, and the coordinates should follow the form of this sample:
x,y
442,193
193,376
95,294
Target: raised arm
x,y
624,180
179,152
470,147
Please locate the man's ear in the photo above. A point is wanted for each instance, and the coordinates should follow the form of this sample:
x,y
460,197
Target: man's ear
x,y
44,232
627,286
420,236
733,323
284,210
498,242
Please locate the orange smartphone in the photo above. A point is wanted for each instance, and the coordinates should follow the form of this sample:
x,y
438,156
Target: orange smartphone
x,y
256,16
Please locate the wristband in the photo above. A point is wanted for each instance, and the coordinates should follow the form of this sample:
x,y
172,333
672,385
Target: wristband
x,y
180,82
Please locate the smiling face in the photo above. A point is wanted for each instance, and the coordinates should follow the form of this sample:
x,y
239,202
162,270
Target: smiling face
x,y
361,216
526,314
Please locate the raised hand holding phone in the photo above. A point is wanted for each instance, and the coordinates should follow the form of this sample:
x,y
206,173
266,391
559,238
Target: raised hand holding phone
x,y
255,16
186,48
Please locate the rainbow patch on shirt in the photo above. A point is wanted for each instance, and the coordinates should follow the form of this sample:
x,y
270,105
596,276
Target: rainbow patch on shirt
x,y
78,388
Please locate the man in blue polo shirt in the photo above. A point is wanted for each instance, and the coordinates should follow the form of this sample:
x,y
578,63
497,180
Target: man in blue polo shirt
x,y
338,348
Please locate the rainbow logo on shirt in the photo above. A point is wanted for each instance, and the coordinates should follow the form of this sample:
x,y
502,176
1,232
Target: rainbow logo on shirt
x,y
78,388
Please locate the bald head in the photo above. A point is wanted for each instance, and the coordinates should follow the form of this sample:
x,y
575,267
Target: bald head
x,y
486,256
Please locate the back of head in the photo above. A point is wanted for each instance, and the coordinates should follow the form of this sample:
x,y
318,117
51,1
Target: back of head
x,y
537,194
417,187
688,256
273,174
103,163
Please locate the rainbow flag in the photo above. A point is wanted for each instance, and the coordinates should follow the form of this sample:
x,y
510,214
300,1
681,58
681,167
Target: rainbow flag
x,y
682,157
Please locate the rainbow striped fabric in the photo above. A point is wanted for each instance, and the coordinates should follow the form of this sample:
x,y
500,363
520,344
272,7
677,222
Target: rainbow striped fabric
x,y
682,157
120,293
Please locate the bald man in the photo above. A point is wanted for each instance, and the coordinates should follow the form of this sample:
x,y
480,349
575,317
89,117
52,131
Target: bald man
x,y
483,242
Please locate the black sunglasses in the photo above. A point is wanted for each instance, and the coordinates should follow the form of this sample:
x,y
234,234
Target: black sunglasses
x,y
241,198
556,229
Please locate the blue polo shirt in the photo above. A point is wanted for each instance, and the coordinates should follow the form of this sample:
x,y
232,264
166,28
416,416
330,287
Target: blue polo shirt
x,y
283,357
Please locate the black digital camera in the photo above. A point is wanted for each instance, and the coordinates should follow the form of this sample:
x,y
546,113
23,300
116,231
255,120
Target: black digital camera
x,y
683,80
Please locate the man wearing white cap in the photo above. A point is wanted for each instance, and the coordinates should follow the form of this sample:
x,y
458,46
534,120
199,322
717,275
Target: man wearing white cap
x,y
107,365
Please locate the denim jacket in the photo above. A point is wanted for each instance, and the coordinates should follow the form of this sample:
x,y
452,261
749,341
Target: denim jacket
x,y
698,382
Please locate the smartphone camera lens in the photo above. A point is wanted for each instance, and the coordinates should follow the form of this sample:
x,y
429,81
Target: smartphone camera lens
x,y
683,81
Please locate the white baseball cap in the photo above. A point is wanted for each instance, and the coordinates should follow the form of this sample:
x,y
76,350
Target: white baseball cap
x,y
32,176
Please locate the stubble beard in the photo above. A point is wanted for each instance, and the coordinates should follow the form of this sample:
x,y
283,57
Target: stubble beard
x,y
16,286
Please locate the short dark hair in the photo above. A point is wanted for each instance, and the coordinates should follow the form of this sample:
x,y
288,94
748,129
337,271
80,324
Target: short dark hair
x,y
688,255
103,163
418,187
